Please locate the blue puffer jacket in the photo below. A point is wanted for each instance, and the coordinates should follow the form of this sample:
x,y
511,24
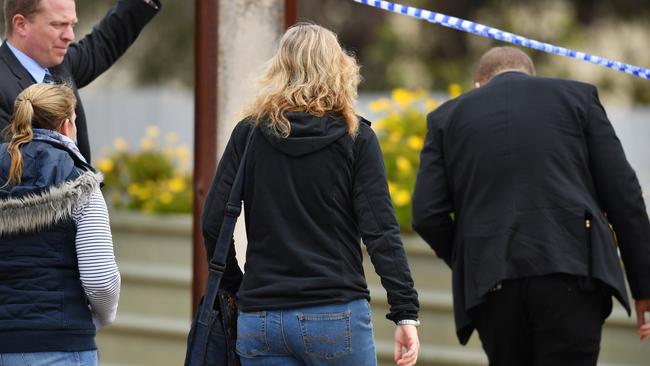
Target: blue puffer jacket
x,y
43,306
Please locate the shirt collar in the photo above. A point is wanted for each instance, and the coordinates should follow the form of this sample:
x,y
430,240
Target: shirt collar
x,y
35,70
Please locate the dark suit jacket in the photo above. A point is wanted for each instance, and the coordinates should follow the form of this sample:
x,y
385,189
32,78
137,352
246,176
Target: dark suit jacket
x,y
523,163
85,61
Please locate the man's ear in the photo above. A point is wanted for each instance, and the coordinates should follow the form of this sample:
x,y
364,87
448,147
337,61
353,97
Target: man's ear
x,y
477,84
19,22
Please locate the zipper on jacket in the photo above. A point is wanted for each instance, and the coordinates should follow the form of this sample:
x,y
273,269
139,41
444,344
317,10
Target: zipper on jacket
x,y
589,284
589,249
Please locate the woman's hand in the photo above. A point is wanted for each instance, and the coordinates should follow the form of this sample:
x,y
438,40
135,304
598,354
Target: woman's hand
x,y
407,345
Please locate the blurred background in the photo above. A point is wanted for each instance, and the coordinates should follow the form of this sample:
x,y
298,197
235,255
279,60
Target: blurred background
x,y
398,51
141,117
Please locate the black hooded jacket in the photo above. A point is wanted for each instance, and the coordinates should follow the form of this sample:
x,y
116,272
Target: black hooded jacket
x,y
308,200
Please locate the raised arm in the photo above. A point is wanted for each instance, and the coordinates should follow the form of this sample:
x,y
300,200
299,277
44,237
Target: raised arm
x,y
109,39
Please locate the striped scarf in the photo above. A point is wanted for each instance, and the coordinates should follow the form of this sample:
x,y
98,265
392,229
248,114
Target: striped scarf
x,y
60,139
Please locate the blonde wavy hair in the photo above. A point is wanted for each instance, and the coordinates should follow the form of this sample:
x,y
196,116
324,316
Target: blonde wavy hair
x,y
309,73
40,106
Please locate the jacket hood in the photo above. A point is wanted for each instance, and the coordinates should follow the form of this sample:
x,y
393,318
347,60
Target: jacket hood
x,y
45,163
309,133
35,211
51,186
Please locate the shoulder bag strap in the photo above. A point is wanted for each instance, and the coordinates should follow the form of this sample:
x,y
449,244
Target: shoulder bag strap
x,y
217,263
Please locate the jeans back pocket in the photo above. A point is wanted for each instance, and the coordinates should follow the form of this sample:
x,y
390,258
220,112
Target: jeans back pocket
x,y
251,334
326,336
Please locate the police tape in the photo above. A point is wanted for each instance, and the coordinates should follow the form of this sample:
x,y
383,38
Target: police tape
x,y
489,32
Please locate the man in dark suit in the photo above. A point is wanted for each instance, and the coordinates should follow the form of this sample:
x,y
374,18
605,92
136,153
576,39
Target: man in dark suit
x,y
38,48
519,181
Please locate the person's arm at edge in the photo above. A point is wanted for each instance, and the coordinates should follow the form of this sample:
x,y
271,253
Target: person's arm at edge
x,y
620,195
432,199
380,234
215,204
4,125
95,256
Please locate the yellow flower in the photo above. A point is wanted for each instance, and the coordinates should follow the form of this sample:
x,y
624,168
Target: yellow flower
x,y
403,164
134,189
166,198
146,143
380,105
454,90
183,154
431,104
153,131
419,93
402,97
168,152
120,144
176,184
402,198
395,137
391,188
415,142
106,165
171,137
139,191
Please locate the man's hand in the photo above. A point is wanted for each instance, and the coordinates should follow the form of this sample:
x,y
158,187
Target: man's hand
x,y
643,308
407,345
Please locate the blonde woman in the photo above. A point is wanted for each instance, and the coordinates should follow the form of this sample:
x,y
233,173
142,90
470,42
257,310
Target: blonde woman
x,y
315,184
58,277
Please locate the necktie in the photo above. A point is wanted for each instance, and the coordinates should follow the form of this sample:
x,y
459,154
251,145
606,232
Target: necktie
x,y
50,79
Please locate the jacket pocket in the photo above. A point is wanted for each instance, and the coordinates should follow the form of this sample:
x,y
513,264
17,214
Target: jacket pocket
x,y
251,334
326,336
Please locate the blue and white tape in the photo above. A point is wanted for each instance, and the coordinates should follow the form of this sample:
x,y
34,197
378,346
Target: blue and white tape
x,y
489,32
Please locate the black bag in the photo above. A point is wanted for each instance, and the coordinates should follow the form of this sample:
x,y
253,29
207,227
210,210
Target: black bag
x,y
211,341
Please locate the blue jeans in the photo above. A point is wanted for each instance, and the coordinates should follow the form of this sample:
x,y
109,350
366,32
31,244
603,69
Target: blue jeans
x,y
339,334
84,358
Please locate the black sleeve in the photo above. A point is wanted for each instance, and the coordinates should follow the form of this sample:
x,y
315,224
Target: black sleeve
x,y
620,195
114,34
379,228
432,197
4,125
215,205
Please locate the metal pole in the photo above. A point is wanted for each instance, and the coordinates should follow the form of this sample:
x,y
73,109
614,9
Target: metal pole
x,y
206,42
290,13
206,36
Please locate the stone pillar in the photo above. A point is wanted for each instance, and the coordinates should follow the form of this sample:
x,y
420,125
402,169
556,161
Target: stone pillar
x,y
249,31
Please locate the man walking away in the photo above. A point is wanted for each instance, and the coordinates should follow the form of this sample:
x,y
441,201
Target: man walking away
x,y
519,181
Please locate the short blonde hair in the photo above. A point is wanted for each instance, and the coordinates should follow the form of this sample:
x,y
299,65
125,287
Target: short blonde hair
x,y
309,73
41,106
498,59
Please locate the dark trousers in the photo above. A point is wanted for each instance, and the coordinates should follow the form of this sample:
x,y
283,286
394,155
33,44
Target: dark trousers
x,y
553,320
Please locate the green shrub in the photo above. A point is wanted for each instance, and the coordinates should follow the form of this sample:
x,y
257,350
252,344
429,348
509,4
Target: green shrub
x,y
401,130
153,179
